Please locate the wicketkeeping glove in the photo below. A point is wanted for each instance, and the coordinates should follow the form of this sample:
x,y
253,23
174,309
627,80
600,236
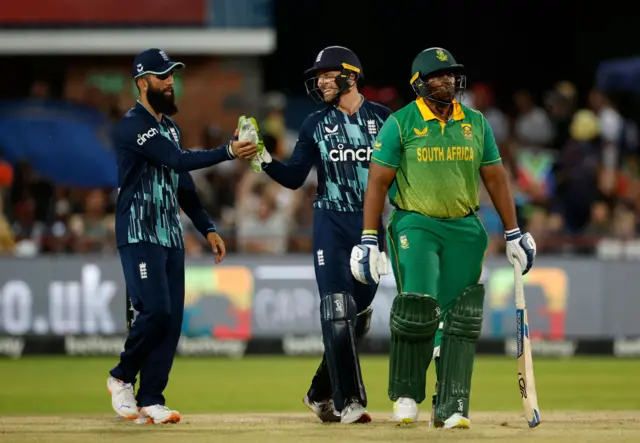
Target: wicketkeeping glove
x,y
520,248
367,262
248,130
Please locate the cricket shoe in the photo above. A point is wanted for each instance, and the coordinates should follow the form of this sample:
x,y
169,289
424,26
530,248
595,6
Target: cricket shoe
x,y
405,410
354,412
456,421
123,400
158,414
323,409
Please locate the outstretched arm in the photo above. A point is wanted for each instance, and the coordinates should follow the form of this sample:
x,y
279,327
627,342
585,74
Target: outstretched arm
x,y
293,173
137,136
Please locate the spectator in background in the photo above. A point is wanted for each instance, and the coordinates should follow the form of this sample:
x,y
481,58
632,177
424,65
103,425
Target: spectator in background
x,y
216,188
599,224
265,211
6,175
193,245
40,89
59,236
274,122
216,185
611,131
29,232
301,237
578,173
386,96
262,225
94,229
483,101
561,103
624,223
7,242
533,128
533,162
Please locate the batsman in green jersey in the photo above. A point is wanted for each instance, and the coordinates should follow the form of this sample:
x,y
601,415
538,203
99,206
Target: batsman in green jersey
x,y
429,157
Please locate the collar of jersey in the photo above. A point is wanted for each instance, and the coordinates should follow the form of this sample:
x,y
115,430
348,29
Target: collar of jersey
x,y
359,106
145,108
458,113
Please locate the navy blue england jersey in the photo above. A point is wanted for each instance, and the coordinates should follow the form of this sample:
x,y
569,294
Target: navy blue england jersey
x,y
154,181
340,147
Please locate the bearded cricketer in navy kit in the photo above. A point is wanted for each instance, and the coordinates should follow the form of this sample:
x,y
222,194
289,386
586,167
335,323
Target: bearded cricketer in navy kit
x,y
154,184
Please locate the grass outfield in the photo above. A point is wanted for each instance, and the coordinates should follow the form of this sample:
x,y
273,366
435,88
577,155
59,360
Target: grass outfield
x,y
65,399
36,385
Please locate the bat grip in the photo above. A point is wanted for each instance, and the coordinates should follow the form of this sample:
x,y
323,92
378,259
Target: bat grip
x,y
518,285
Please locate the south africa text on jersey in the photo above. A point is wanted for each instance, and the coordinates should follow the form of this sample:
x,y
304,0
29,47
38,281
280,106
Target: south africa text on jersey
x,y
441,154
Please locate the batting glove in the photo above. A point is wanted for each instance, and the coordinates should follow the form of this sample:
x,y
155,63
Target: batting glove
x,y
248,130
367,262
520,248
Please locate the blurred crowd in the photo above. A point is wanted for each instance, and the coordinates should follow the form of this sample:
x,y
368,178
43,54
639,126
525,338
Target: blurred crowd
x,y
572,162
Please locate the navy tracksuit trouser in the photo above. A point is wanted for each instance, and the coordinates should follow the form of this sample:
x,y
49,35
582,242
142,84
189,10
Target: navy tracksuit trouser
x,y
154,276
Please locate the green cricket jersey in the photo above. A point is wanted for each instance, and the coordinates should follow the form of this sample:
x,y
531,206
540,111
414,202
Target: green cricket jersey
x,y
437,163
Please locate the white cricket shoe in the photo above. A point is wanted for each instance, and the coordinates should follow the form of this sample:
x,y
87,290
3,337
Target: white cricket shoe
x,y
456,421
405,410
158,414
354,412
123,400
324,410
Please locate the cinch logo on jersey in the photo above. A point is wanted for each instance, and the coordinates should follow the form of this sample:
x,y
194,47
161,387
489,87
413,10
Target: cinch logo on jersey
x,y
450,153
340,154
142,138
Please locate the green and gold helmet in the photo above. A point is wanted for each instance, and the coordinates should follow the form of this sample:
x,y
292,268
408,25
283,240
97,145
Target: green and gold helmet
x,y
431,62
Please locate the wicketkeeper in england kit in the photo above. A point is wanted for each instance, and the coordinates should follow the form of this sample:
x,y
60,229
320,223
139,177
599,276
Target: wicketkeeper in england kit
x,y
338,141
429,157
153,185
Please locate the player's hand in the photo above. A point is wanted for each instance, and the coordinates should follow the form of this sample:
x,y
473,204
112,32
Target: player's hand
x,y
248,130
243,149
520,248
367,262
217,246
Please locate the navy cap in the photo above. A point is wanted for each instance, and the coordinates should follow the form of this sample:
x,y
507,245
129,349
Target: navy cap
x,y
153,61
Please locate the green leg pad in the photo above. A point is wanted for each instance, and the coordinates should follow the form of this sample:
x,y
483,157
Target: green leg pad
x,y
414,321
462,326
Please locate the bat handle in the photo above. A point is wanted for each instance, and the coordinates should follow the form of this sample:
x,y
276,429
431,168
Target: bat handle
x,y
518,285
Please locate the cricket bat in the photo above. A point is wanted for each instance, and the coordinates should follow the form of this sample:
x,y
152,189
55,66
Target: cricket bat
x,y
526,380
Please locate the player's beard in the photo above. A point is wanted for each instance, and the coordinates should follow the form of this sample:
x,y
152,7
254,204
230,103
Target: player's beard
x,y
160,102
444,94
